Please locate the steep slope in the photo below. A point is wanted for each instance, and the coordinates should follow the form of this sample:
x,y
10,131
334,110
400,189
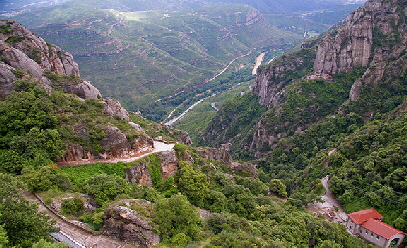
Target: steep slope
x,y
371,44
182,50
49,112
337,107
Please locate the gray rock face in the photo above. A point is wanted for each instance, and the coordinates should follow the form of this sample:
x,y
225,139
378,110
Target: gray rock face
x,y
215,154
356,43
84,90
114,108
7,78
21,49
125,224
269,91
139,174
48,57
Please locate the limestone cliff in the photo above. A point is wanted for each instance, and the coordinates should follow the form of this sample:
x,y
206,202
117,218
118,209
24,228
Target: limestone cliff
x,y
372,44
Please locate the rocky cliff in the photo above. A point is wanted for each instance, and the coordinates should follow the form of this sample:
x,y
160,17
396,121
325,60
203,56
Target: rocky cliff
x,y
368,49
168,164
24,57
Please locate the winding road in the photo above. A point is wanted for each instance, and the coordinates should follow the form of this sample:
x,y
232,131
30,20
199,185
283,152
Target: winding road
x,y
158,147
79,235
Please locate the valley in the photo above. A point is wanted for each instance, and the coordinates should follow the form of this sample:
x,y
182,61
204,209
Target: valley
x,y
161,135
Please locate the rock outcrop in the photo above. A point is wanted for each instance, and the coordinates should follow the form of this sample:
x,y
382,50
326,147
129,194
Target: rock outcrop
x,y
140,174
114,145
374,34
21,49
114,108
215,154
48,57
130,221
84,90
271,79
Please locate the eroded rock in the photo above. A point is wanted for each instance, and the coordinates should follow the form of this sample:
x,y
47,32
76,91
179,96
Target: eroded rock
x,y
130,221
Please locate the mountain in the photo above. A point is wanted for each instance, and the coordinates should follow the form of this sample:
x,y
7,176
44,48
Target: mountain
x,y
182,43
53,111
336,107
177,197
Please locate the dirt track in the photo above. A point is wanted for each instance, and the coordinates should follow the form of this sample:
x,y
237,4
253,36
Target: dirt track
x,y
330,204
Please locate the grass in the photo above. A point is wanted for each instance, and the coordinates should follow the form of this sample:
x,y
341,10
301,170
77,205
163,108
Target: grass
x,y
79,174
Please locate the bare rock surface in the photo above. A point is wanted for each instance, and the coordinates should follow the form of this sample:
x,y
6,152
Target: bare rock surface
x,y
114,108
130,221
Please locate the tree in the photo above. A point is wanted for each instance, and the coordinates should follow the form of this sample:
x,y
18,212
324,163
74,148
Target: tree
x,y
104,188
193,183
3,237
41,179
20,219
278,187
45,244
176,215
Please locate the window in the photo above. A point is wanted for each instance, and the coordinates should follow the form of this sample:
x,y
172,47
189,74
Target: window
x,y
377,237
366,231
360,232
372,234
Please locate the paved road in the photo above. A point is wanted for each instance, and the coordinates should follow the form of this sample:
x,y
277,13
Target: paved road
x,y
158,147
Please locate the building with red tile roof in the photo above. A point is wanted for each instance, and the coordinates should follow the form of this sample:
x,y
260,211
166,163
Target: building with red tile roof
x,y
367,224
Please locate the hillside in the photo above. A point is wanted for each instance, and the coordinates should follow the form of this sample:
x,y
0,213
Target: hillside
x,y
185,196
160,54
337,108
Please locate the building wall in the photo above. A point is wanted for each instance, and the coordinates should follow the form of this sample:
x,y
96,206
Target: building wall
x,y
352,227
372,237
400,236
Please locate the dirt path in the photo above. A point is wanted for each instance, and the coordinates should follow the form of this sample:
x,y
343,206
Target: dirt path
x,y
330,205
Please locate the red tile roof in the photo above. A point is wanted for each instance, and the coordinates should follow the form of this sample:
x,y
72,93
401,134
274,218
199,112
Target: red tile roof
x,y
364,215
381,228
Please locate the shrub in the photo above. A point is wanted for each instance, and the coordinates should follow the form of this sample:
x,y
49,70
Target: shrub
x,y
72,206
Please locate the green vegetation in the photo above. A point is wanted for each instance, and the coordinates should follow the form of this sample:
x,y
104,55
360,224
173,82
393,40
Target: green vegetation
x,y
181,50
5,29
21,223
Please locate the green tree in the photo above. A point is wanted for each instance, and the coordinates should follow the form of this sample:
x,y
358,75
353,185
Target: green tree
x,y
278,187
20,218
46,244
193,183
104,188
3,237
40,179
72,205
176,215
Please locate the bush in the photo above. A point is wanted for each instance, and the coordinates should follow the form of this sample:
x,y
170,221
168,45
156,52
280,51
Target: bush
x,y
72,206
